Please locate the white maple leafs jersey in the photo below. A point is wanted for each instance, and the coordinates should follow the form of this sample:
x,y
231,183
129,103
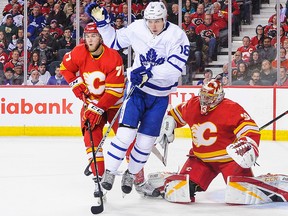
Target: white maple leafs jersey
x,y
166,52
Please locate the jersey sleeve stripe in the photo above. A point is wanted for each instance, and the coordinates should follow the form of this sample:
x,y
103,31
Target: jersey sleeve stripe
x,y
118,95
243,125
177,116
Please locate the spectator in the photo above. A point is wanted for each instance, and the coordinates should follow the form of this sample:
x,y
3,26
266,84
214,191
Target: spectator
x,y
20,48
267,51
58,79
283,59
124,15
255,79
195,60
283,77
173,15
13,61
31,4
66,41
242,72
257,40
209,32
118,23
17,15
237,58
271,29
50,40
188,7
254,63
34,61
45,52
111,14
34,78
44,74
55,31
3,40
68,10
208,6
8,78
47,8
246,49
285,46
208,75
8,28
268,73
18,74
197,18
83,19
186,25
37,20
57,14
3,55
282,38
223,73
219,17
8,8
20,35
225,80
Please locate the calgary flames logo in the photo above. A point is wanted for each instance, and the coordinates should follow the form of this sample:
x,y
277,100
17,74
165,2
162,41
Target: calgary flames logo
x,y
207,33
204,134
197,21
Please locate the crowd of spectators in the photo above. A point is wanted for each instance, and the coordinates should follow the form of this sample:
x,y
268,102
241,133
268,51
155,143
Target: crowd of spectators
x,y
51,32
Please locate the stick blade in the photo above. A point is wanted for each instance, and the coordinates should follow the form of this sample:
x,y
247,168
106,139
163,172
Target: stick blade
x,y
97,209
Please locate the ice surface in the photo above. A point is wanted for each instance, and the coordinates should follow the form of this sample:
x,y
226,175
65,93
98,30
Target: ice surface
x,y
43,176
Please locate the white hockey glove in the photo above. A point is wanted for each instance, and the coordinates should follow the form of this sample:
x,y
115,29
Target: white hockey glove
x,y
167,131
244,151
99,14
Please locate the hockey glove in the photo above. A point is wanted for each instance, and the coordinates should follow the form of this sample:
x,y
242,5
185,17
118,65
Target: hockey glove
x,y
140,75
79,88
93,114
244,151
99,14
167,131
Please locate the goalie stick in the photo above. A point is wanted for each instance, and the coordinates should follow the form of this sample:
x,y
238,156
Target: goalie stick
x,y
273,120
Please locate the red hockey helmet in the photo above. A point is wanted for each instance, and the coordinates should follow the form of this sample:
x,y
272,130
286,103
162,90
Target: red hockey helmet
x,y
91,28
211,94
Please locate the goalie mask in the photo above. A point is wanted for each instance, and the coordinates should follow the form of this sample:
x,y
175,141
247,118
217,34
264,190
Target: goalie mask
x,y
211,94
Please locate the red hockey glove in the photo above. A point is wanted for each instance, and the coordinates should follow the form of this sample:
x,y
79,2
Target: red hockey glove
x,y
79,88
93,114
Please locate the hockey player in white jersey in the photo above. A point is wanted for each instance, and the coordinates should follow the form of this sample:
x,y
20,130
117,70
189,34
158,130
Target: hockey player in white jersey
x,y
161,51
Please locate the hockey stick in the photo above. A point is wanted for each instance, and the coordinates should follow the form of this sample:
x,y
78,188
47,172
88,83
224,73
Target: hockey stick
x,y
87,172
273,120
100,208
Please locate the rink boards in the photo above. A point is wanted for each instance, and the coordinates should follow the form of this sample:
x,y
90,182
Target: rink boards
x,y
54,111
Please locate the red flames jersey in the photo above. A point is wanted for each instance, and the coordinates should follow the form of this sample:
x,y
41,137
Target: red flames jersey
x,y
103,76
212,133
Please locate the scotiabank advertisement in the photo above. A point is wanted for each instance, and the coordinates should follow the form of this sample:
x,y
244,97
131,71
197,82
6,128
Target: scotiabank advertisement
x,y
57,107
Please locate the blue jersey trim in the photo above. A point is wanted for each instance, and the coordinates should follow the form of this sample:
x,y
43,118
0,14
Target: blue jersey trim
x,y
150,85
140,152
176,66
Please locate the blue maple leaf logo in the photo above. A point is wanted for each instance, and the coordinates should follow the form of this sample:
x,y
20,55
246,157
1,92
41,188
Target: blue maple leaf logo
x,y
151,58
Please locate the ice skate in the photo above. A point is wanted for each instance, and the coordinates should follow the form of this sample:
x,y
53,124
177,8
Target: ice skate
x,y
108,180
147,189
127,182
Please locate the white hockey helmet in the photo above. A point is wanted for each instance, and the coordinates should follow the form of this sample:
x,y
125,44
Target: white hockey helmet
x,y
211,94
155,10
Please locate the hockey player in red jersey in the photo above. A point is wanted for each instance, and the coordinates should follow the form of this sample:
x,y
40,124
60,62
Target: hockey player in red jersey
x,y
225,140
100,84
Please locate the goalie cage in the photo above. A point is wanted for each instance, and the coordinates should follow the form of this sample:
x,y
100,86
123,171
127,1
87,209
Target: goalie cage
x,y
257,190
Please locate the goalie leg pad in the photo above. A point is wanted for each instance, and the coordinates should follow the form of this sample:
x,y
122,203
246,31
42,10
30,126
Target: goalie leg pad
x,y
257,190
177,189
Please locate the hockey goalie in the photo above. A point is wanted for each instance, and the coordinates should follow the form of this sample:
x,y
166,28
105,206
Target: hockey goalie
x,y
225,141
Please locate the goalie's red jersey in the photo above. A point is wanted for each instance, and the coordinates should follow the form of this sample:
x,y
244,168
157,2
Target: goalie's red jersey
x,y
103,75
211,133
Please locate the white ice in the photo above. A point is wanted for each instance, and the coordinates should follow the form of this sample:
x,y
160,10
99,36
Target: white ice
x,y
43,176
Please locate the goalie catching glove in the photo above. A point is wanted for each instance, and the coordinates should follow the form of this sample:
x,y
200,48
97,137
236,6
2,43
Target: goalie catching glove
x,y
79,88
244,151
93,114
99,14
167,131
